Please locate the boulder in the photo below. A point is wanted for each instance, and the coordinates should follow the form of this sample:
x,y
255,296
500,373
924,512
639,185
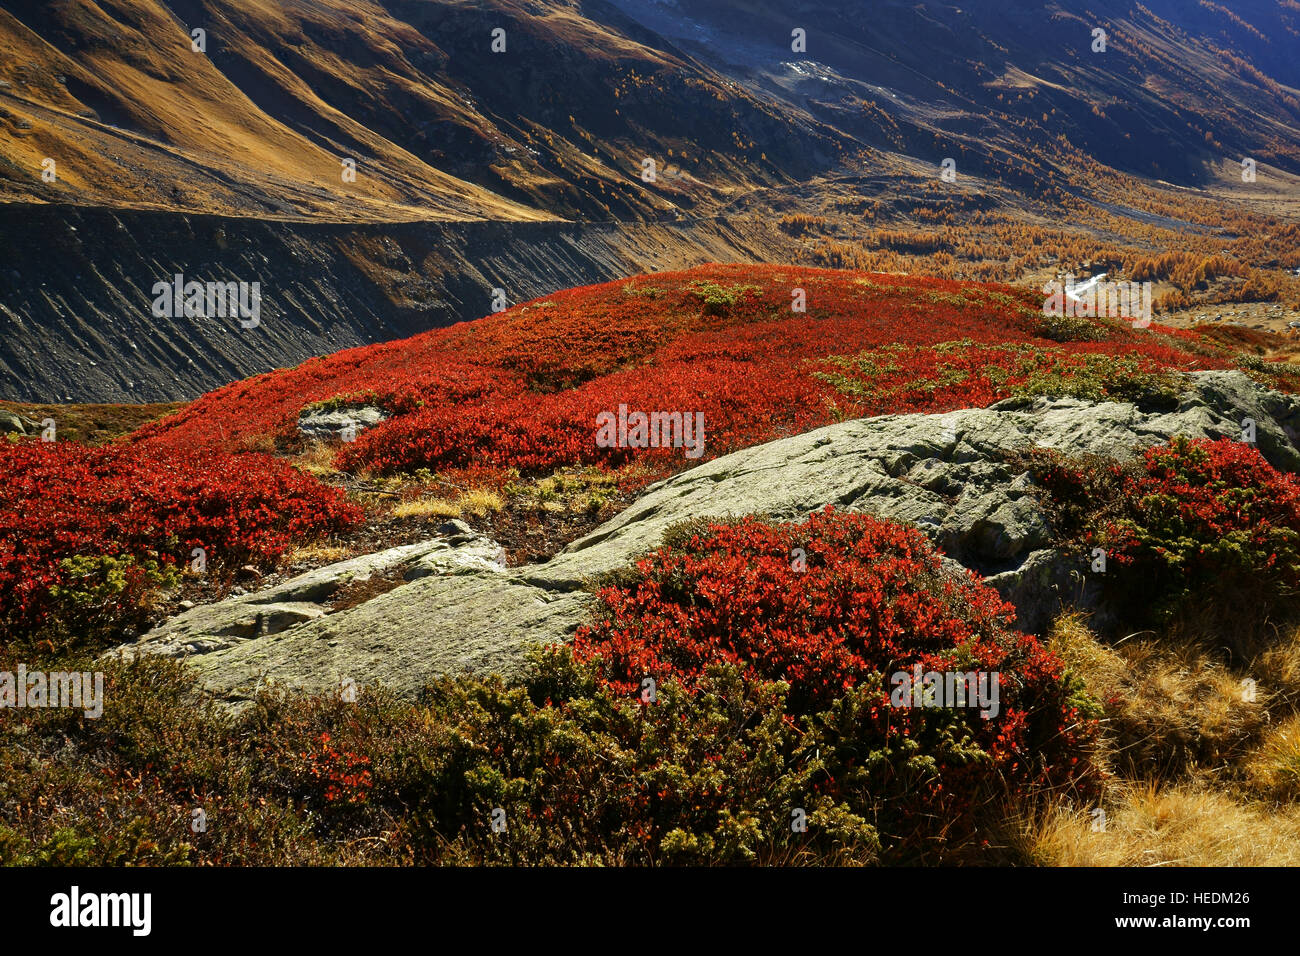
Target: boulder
x,y
341,423
208,628
11,423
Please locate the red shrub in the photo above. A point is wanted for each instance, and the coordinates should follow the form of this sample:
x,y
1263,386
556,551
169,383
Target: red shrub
x,y
522,388
60,499
1209,518
871,602
336,776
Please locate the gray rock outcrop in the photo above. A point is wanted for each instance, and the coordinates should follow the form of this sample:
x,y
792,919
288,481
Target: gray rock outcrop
x,y
945,473
342,423
220,626
11,423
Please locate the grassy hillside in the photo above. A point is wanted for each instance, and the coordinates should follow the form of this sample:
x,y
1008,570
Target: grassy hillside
x,y
439,126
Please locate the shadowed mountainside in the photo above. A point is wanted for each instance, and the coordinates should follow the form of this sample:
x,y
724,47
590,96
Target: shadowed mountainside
x,y
334,286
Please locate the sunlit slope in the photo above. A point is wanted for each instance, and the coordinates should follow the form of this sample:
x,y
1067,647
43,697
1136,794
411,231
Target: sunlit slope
x,y
440,125
758,351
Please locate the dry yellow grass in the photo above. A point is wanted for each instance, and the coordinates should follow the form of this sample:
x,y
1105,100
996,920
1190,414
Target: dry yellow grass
x,y
478,501
427,508
1181,729
1225,626
1277,668
325,553
1146,825
317,459
1170,706
1273,769
1104,671
264,443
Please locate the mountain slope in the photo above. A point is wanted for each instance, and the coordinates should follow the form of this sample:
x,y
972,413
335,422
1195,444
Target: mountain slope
x,y
439,125
559,122
228,164
1179,84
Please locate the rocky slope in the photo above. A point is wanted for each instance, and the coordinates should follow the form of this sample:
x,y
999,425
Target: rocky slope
x,y
84,331
996,83
455,608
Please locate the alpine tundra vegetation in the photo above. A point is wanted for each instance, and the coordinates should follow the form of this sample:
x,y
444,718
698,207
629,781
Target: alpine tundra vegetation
x,y
358,648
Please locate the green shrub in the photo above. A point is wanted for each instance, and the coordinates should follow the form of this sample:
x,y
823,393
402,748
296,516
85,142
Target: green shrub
x,y
339,402
963,374
718,299
1072,328
104,596
642,292
584,775
1105,378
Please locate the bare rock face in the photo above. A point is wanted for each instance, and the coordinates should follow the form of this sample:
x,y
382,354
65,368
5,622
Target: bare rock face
x,y
88,334
459,610
341,423
15,424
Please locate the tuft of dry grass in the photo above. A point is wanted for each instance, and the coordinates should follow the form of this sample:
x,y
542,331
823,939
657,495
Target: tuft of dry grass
x,y
427,508
1277,668
263,442
1273,769
1147,825
317,459
476,501
1175,710
312,553
1170,707
1241,630
479,502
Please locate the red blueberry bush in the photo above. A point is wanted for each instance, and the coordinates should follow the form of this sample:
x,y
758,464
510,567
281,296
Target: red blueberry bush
x,y
1213,508
1191,519
106,523
872,600
334,775
522,389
